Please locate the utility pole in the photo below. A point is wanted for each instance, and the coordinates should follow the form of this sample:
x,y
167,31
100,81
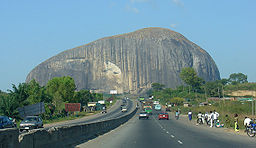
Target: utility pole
x,y
252,108
255,106
205,94
222,91
219,92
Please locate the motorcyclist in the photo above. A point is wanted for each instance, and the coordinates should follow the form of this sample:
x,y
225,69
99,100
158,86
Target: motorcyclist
x,y
247,122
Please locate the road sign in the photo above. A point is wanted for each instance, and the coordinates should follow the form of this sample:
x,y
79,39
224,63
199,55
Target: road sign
x,y
31,110
72,107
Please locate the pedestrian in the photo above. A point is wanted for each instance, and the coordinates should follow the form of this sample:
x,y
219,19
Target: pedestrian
x,y
200,118
247,122
215,118
211,118
236,122
190,115
177,114
206,118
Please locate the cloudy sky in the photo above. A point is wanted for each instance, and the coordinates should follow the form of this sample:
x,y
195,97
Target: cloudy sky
x,y
32,31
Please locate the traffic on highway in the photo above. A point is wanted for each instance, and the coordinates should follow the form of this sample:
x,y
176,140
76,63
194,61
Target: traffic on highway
x,y
158,128
35,122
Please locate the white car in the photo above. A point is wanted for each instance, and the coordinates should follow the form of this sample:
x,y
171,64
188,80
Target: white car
x,y
124,109
143,115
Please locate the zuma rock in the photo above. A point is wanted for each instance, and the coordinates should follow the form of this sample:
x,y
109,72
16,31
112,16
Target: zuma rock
x,y
129,62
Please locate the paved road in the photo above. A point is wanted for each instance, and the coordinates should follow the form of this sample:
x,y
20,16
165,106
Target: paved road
x,y
154,133
114,112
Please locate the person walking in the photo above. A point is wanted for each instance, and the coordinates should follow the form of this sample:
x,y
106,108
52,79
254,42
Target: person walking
x,y
200,118
236,123
206,118
190,115
211,118
177,114
215,117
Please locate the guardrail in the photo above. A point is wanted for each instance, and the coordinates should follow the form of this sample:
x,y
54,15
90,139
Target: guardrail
x,y
63,136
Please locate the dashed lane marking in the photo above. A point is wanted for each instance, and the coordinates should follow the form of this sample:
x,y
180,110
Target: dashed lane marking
x,y
180,142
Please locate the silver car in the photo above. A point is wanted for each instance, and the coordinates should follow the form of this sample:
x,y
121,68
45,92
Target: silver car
x,y
31,122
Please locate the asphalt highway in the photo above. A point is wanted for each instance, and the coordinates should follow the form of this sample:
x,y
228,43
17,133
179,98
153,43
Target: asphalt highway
x,y
154,133
114,112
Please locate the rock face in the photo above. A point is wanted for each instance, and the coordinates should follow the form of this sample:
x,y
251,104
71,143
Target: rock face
x,y
129,62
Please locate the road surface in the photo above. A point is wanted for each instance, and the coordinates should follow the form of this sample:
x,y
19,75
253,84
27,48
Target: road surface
x,y
154,133
114,112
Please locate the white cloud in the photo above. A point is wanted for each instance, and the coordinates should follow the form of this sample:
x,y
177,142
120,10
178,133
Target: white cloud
x,y
178,3
132,9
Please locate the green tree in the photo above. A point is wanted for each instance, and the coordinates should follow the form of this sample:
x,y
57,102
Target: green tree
x,y
238,78
83,97
61,90
8,106
36,93
214,88
177,100
189,76
157,86
20,93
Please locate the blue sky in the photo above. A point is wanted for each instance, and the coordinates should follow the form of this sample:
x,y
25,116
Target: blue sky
x,y
32,31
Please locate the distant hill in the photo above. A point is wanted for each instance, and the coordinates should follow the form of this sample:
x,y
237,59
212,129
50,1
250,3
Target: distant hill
x,y
129,62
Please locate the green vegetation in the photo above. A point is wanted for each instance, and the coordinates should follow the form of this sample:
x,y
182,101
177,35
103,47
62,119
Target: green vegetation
x,y
55,94
189,76
226,109
197,91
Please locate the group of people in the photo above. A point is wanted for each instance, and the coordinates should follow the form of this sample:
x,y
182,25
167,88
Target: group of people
x,y
210,119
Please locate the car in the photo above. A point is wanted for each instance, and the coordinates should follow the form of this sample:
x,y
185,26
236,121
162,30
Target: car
x,y
31,122
124,109
148,110
143,115
158,107
163,116
122,105
104,111
5,122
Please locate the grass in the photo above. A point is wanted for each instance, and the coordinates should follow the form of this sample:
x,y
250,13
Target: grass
x,y
226,109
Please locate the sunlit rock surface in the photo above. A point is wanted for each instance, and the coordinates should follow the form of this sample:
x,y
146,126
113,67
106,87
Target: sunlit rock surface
x,y
129,62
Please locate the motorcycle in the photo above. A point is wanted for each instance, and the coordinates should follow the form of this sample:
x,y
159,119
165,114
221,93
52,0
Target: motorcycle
x,y
199,120
251,130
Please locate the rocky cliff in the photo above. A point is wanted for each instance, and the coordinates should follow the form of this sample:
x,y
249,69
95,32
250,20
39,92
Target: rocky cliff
x,y
129,62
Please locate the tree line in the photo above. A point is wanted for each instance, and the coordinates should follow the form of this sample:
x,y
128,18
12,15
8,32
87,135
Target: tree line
x,y
197,89
54,94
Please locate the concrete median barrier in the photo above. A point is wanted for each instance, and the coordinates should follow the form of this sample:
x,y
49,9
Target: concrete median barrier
x,y
63,136
9,138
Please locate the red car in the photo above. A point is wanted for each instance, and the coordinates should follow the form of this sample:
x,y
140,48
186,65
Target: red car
x,y
163,116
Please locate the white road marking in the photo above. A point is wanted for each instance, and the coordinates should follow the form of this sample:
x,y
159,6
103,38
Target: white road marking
x,y
172,136
180,142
